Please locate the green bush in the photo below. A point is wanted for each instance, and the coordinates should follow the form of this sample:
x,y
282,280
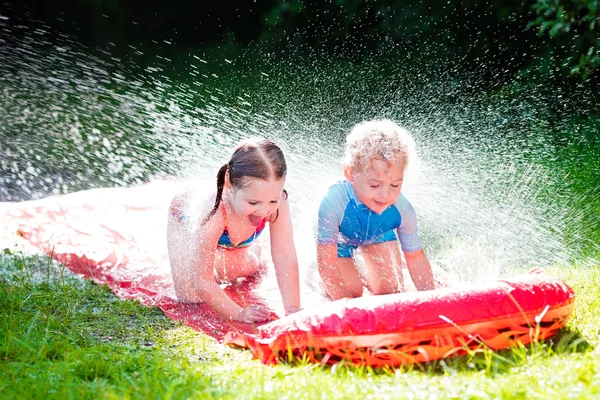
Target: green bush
x,y
574,29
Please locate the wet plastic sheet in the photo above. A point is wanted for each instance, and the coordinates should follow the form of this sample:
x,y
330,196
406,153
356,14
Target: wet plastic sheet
x,y
117,237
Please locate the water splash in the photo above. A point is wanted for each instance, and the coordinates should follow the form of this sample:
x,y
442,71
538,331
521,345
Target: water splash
x,y
493,191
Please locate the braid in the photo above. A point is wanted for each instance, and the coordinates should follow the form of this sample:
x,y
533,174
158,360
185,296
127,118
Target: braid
x,y
220,184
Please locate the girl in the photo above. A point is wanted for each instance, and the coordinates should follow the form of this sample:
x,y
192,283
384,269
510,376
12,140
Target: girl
x,y
209,240
367,212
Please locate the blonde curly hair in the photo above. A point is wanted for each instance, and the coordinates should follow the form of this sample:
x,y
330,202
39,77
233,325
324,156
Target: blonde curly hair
x,y
377,139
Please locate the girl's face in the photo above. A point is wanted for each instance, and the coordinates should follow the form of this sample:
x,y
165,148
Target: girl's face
x,y
257,200
378,185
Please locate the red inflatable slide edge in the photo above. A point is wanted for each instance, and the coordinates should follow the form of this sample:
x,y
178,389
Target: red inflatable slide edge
x,y
418,327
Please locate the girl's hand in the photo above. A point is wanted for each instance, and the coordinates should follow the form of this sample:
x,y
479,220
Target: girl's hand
x,y
254,313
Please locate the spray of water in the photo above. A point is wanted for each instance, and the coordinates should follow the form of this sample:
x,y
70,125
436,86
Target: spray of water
x,y
493,190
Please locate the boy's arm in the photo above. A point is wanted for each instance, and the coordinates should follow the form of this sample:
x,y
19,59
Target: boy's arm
x,y
331,268
285,260
416,259
420,270
329,265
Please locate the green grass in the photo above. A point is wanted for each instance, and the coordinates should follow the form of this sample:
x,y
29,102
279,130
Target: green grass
x,y
61,338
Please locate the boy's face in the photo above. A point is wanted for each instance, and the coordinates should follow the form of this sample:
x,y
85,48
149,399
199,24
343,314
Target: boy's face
x,y
379,184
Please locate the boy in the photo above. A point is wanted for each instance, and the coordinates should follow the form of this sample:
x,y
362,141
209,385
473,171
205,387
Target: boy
x,y
368,213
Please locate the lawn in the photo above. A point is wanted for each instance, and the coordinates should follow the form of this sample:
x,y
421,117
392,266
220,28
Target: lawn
x,y
62,337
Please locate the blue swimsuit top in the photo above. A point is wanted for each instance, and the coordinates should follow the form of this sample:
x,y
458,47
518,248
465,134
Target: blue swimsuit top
x,y
225,240
343,219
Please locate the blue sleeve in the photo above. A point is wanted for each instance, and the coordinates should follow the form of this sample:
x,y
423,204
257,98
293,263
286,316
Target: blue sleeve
x,y
408,232
331,212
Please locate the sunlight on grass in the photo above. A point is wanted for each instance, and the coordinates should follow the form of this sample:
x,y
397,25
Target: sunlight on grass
x,y
63,337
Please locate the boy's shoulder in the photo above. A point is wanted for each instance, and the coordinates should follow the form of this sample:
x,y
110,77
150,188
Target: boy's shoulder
x,y
337,195
403,205
341,188
341,184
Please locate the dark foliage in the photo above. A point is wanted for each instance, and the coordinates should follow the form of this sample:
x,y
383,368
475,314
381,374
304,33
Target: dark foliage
x,y
548,38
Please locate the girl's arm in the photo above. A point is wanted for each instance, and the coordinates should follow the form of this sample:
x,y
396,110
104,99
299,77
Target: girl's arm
x,y
283,252
420,270
194,278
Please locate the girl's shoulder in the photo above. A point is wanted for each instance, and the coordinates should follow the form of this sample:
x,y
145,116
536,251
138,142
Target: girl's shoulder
x,y
193,205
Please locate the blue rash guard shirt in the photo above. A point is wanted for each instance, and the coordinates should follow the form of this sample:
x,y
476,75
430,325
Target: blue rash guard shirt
x,y
346,221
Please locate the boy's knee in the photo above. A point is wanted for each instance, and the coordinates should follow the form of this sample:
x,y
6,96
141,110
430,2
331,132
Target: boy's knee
x,y
384,290
384,286
355,291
